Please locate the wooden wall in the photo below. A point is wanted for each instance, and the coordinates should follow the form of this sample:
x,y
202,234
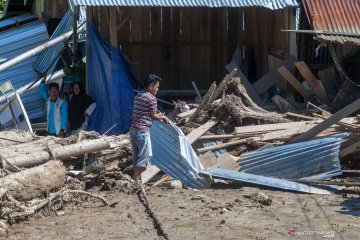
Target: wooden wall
x,y
179,44
192,44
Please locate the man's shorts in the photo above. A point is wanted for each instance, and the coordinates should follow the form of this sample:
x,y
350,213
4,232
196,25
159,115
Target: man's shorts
x,y
141,148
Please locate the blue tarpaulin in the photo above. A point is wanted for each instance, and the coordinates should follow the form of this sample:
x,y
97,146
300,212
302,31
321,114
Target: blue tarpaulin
x,y
111,84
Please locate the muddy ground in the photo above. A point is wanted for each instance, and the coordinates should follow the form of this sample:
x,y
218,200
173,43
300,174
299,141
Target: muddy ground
x,y
223,212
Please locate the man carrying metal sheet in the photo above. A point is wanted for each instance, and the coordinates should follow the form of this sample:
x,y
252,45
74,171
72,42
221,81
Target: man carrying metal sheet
x,y
144,112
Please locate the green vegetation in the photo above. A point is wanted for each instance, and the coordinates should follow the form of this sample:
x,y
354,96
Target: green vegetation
x,y
2,3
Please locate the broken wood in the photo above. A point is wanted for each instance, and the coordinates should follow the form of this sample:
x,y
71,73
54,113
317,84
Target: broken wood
x,y
61,153
13,137
204,102
197,133
351,108
270,78
349,126
290,78
149,173
300,116
273,127
186,114
264,137
35,181
282,105
317,87
222,86
249,88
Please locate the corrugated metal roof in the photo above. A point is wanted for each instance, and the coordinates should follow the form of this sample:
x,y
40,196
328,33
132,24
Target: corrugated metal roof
x,y
316,160
15,42
51,54
265,181
173,154
18,19
271,4
340,16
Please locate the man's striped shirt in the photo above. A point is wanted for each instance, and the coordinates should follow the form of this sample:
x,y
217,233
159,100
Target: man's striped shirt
x,y
144,103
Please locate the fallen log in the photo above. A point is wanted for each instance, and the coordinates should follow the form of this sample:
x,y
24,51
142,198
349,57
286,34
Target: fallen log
x,y
14,137
204,102
36,181
61,153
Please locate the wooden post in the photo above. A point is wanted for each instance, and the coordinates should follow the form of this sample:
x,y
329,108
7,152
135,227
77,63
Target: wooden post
x,y
313,83
113,30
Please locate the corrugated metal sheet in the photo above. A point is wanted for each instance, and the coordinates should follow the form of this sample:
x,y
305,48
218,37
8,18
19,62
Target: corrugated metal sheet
x,y
51,54
15,42
340,16
271,4
174,155
316,160
18,19
264,181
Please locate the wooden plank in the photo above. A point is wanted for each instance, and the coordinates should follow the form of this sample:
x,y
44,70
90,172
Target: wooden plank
x,y
355,147
272,127
346,111
270,78
149,173
288,76
186,114
249,88
224,136
264,137
313,83
166,48
349,126
113,31
228,162
175,55
185,65
300,116
145,67
156,51
204,67
195,134
204,102
222,86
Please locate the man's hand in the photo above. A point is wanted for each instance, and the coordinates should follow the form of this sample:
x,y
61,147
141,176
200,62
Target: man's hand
x,y
165,119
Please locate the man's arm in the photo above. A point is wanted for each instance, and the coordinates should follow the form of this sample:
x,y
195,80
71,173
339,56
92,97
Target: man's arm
x,y
159,116
42,90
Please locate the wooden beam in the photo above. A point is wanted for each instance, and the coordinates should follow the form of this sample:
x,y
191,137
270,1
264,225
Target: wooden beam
x,y
186,114
264,137
113,30
313,83
149,173
346,111
249,88
300,116
273,127
355,147
270,78
126,19
349,126
195,134
222,85
204,102
288,76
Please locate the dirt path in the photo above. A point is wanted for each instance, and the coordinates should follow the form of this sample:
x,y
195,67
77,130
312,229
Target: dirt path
x,y
208,214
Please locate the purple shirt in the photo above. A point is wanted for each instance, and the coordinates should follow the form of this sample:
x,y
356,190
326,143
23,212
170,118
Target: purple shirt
x,y
144,103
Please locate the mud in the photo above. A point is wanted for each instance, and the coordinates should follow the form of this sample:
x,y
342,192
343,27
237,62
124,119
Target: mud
x,y
223,212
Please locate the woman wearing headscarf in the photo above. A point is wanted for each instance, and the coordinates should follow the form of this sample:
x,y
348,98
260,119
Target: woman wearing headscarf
x,y
81,107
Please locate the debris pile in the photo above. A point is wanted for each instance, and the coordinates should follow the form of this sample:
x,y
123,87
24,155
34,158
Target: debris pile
x,y
37,172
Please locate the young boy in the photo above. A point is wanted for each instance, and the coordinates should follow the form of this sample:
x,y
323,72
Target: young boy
x,y
145,111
